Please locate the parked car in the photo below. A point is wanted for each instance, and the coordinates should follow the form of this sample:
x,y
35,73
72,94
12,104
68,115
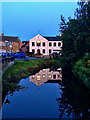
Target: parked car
x,y
55,54
7,55
19,54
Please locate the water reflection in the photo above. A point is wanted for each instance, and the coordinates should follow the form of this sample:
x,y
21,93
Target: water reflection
x,y
46,75
64,99
74,99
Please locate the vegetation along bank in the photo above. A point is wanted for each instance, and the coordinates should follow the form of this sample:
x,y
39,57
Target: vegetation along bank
x,y
22,69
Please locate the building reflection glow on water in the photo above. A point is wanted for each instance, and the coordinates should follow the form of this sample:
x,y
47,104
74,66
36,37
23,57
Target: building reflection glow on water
x,y
46,75
46,95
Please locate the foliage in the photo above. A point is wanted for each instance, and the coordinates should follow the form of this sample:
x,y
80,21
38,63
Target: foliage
x,y
82,70
22,69
75,35
76,42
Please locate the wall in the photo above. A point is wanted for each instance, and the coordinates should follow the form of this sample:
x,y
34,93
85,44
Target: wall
x,y
46,47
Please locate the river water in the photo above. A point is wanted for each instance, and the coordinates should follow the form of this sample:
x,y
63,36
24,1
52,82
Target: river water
x,y
47,95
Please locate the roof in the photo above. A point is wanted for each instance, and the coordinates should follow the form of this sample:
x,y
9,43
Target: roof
x,y
10,39
53,38
26,44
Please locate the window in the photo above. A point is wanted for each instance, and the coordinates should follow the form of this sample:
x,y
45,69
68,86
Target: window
x,y
50,51
38,77
33,44
54,76
50,44
43,50
43,75
33,51
54,44
58,75
38,43
50,75
59,44
43,43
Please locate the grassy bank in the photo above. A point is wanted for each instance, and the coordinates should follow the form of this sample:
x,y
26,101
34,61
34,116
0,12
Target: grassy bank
x,y
82,70
22,69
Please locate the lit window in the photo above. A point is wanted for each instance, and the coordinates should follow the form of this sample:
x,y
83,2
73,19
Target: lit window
x,y
38,77
33,77
50,76
43,76
38,43
43,70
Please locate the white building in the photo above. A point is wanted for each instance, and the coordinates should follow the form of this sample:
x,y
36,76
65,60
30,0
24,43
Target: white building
x,y
45,45
45,75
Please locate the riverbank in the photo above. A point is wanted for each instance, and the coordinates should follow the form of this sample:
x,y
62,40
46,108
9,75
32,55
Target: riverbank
x,y
22,69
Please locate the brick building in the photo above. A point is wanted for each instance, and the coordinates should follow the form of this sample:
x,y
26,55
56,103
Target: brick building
x,y
9,43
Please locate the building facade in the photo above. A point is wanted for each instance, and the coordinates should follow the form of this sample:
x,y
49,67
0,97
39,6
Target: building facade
x,y
45,75
45,45
9,44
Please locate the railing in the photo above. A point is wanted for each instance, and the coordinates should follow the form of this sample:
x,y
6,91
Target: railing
x,y
5,61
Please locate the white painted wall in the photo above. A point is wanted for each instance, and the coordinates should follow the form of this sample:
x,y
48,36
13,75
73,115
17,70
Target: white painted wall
x,y
46,47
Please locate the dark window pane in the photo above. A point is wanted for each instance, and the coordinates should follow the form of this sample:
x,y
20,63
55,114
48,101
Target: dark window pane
x,y
50,44
33,51
33,44
59,44
54,76
43,43
43,50
49,51
54,43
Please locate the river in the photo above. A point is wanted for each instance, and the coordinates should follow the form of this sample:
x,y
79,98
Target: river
x,y
47,95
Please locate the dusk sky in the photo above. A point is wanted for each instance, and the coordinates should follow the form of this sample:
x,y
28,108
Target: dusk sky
x,y
26,19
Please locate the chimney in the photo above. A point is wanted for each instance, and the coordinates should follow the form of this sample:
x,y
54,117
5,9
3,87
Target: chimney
x,y
2,34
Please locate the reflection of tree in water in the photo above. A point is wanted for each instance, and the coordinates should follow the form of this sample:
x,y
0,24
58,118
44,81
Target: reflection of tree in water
x,y
74,99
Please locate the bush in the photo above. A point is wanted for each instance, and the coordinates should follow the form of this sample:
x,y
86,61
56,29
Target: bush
x,y
82,70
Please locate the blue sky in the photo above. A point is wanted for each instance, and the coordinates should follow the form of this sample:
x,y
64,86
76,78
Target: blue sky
x,y
26,19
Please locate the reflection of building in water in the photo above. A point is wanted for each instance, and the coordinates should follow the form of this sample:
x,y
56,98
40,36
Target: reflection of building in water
x,y
45,75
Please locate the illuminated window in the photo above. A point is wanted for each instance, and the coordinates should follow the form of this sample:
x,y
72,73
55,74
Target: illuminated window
x,y
43,76
38,77
50,75
33,77
43,70
38,43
